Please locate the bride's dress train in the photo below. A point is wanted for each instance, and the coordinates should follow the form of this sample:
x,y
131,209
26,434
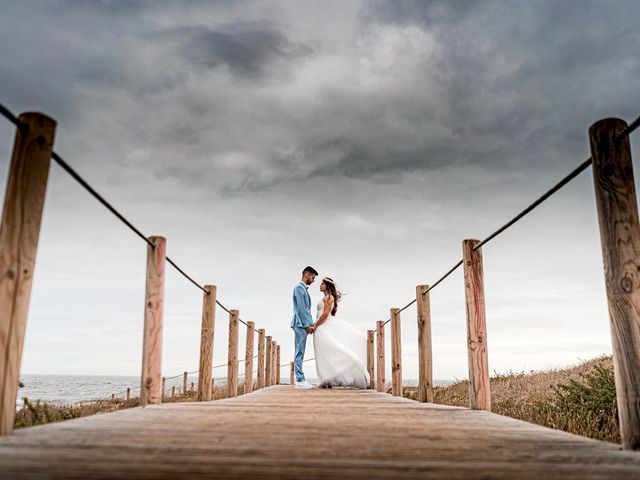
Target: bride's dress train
x,y
341,353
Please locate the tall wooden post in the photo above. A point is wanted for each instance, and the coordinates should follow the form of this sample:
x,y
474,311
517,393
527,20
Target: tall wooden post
x,y
274,356
184,382
207,333
128,393
370,358
268,361
620,239
380,350
425,355
19,234
278,365
396,353
164,388
173,391
248,358
292,374
479,387
261,358
232,363
151,382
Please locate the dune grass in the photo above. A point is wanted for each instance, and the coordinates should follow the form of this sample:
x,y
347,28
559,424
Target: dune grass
x,y
580,399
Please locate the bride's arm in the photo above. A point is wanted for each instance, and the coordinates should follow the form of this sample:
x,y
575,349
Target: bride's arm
x,y
328,305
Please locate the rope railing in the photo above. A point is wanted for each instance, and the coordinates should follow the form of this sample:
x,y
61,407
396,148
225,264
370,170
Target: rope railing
x,y
619,226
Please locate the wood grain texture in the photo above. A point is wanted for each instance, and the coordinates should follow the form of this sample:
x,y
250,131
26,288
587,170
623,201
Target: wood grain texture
x,y
268,361
396,353
151,378
248,358
261,358
207,334
479,390
380,367
278,369
232,361
620,239
337,434
371,357
19,234
425,355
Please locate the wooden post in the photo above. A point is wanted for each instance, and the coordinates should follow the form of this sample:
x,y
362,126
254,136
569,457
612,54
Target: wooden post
x,y
248,358
380,367
278,365
396,353
370,358
173,391
207,333
193,387
164,387
479,387
151,381
128,393
620,239
113,397
274,356
292,374
184,382
261,359
19,234
268,361
232,363
425,356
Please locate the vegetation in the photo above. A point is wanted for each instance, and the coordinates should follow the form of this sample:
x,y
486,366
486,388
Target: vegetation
x,y
39,413
580,399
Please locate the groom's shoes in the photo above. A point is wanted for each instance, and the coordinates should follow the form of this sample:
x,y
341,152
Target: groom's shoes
x,y
303,385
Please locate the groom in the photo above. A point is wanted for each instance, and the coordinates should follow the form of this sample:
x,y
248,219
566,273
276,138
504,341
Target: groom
x,y
301,322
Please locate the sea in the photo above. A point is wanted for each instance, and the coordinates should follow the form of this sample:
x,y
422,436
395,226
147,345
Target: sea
x,y
72,389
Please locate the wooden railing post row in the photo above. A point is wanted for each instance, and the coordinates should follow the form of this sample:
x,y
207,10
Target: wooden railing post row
x,y
396,353
380,367
261,358
479,387
19,234
151,381
207,334
248,358
620,239
425,355
232,363
268,362
371,358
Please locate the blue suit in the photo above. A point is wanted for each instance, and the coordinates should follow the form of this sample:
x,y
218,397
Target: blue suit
x,y
301,320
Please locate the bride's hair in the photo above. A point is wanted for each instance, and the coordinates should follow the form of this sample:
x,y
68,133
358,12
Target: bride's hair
x,y
333,291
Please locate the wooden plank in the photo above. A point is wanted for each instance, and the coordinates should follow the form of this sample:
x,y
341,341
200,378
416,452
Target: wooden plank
x,y
19,235
479,389
261,358
232,362
425,360
207,334
363,434
151,378
371,358
380,367
396,353
620,239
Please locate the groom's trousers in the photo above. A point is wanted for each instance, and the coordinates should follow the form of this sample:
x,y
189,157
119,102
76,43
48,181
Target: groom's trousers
x,y
300,339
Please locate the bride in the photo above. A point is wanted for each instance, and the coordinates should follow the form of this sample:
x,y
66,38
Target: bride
x,y
340,349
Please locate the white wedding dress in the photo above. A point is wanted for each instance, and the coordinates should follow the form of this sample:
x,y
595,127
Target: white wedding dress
x,y
341,353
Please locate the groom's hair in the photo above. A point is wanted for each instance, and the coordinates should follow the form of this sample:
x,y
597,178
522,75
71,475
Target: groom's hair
x,y
308,269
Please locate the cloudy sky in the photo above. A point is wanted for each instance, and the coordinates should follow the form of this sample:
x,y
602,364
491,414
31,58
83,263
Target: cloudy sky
x,y
364,138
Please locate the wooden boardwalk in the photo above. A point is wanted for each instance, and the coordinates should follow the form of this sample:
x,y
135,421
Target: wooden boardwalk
x,y
279,432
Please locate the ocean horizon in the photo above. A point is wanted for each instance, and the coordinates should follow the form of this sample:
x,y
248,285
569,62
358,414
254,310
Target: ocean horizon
x,y
61,389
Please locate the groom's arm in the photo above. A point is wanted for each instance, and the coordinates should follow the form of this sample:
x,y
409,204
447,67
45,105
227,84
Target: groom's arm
x,y
300,294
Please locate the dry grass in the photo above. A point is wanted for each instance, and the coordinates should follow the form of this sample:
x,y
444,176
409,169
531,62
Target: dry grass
x,y
579,399
39,413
